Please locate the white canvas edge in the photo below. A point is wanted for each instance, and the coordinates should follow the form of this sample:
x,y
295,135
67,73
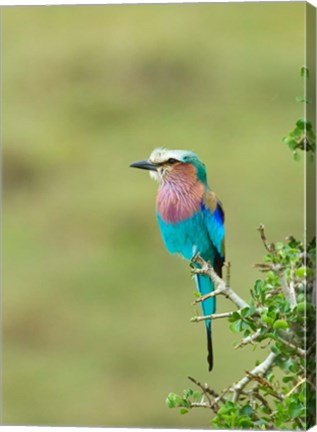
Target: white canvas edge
x,y
14,3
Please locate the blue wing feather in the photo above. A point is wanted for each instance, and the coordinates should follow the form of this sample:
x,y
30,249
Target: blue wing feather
x,y
214,220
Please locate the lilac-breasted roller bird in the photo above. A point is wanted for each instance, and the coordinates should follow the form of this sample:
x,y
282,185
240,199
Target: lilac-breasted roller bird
x,y
190,216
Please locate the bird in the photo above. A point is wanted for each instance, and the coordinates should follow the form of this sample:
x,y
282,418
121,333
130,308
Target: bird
x,y
190,217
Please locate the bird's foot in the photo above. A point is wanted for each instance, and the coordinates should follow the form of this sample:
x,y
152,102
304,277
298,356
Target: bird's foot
x,y
193,261
197,260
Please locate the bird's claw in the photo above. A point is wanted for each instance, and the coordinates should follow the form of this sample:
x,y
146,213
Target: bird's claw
x,y
194,258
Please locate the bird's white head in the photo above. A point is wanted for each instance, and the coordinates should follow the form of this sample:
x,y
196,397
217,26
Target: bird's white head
x,y
162,162
165,160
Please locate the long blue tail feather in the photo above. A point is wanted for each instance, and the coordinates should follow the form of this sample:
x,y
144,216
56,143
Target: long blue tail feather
x,y
205,286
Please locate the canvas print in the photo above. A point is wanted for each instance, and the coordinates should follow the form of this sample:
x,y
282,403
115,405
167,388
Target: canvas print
x,y
159,216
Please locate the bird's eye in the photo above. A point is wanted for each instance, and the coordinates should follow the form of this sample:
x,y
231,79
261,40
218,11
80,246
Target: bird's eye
x,y
172,161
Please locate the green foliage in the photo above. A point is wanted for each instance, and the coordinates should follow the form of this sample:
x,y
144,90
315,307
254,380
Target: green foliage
x,y
302,137
185,402
304,72
283,396
234,416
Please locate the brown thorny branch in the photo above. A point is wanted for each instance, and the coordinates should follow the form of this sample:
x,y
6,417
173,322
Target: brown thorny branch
x,y
210,399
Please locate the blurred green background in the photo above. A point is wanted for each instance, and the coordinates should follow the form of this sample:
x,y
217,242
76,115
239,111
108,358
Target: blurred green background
x,y
96,326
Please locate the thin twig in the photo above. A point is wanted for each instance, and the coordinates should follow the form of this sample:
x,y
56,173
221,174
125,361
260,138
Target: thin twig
x,y
211,317
207,392
298,350
221,396
296,386
249,339
205,388
206,296
268,246
200,405
263,266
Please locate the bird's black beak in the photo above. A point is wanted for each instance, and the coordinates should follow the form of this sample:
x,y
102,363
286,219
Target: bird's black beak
x,y
144,164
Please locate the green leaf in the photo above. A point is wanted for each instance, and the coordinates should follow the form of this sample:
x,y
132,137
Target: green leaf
x,y
304,72
280,324
179,400
270,335
301,271
187,393
267,319
297,133
183,411
274,349
292,144
258,286
251,324
311,134
295,409
303,99
244,311
288,378
301,297
170,400
246,333
197,395
234,317
247,410
244,422
252,309
301,308
236,327
303,123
